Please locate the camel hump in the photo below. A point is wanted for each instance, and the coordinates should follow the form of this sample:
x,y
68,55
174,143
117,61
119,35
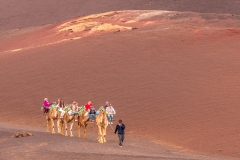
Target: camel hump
x,y
86,114
68,107
80,110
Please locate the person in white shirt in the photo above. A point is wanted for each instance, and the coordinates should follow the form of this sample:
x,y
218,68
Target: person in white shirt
x,y
110,111
75,110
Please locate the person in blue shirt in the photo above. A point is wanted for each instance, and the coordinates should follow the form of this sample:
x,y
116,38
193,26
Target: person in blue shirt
x,y
120,129
92,113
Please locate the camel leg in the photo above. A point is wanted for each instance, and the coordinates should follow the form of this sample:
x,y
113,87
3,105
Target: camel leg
x,y
53,130
58,126
79,129
85,132
61,127
65,124
48,121
71,125
98,138
104,134
100,134
47,126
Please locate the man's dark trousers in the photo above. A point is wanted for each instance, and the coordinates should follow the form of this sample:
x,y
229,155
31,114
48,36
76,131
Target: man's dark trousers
x,y
121,138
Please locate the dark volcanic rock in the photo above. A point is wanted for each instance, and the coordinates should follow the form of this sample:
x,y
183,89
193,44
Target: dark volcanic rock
x,y
22,134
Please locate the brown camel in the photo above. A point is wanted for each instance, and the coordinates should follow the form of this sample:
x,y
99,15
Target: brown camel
x,y
82,122
51,116
67,118
102,123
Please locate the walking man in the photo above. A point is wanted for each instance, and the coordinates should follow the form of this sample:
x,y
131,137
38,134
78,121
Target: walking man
x,y
120,129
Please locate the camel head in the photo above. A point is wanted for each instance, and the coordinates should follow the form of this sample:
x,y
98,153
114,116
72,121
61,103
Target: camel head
x,y
102,116
101,109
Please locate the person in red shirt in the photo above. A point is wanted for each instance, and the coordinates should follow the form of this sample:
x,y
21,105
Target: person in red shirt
x,y
88,105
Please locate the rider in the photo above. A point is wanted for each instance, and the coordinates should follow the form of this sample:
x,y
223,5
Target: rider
x,y
58,102
107,104
88,105
75,110
92,113
110,110
61,108
46,105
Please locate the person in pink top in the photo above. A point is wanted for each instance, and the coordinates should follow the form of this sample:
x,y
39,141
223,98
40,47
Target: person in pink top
x,y
46,105
88,105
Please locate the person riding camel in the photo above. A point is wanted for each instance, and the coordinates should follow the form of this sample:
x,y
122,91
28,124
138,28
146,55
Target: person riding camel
x,y
88,105
61,108
92,113
46,105
107,104
75,110
58,102
111,111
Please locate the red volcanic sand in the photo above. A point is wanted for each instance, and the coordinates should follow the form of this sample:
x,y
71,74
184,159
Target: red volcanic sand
x,y
21,14
176,84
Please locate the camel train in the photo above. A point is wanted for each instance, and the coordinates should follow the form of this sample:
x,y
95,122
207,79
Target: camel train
x,y
53,114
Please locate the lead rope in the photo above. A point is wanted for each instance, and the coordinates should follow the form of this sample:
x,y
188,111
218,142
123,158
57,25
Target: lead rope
x,y
112,127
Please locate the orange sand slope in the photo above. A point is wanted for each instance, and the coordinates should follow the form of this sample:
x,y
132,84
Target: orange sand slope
x,y
112,22
21,14
173,80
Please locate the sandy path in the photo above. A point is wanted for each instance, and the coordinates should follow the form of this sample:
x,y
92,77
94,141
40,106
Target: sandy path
x,y
47,146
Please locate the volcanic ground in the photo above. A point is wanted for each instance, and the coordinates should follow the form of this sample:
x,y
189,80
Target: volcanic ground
x,y
169,68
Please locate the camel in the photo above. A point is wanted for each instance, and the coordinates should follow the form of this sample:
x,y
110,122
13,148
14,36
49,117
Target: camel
x,y
82,122
67,118
51,116
102,123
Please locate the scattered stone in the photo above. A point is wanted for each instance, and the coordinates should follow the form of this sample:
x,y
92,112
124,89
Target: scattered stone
x,y
117,31
22,134
71,30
